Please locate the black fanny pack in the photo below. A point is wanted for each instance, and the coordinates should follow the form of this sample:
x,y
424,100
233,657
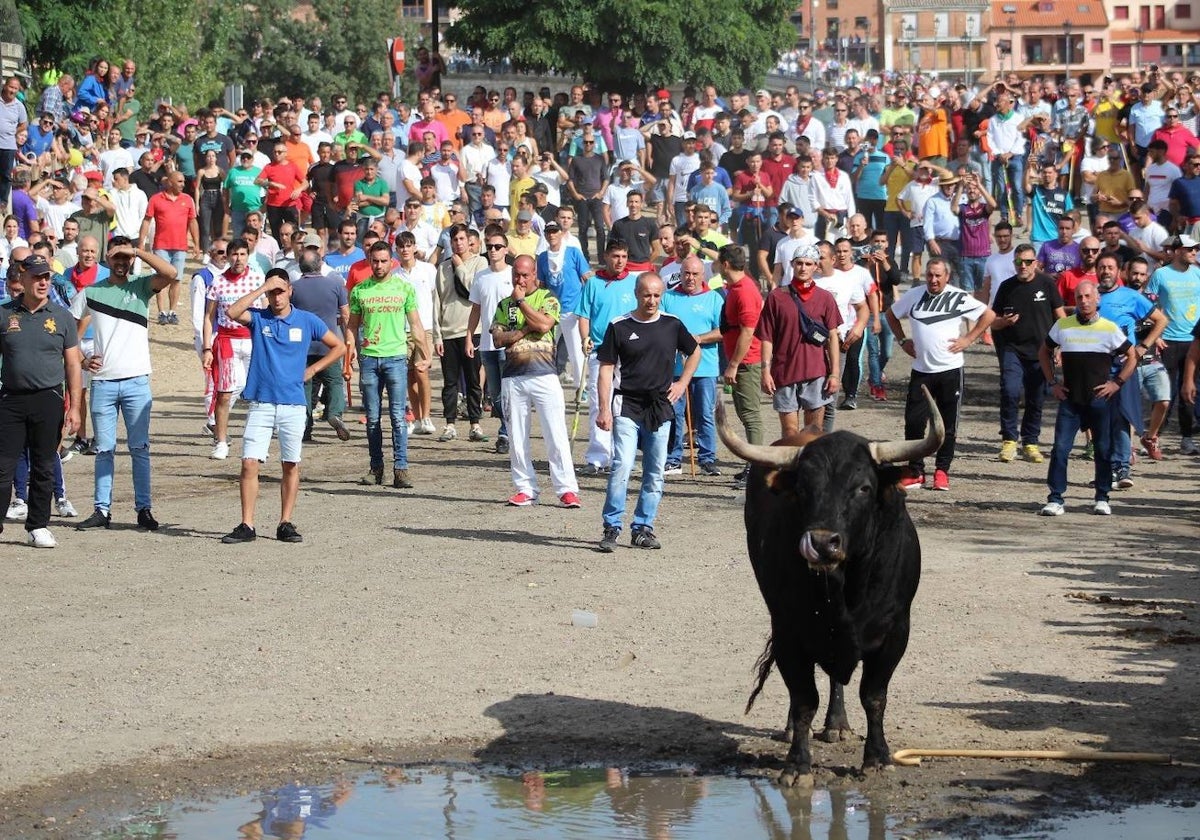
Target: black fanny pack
x,y
813,332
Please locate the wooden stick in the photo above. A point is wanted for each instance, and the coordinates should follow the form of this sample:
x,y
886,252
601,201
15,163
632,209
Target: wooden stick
x,y
912,758
687,405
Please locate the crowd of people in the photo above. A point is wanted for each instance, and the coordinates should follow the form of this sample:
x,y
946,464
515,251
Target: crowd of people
x,y
631,253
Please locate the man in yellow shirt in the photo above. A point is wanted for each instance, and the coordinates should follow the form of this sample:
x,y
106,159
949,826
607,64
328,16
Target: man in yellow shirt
x,y
520,183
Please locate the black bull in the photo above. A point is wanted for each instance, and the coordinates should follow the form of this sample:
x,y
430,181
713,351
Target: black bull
x,y
837,560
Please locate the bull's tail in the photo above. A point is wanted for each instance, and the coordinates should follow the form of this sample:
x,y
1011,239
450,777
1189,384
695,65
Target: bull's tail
x,y
766,661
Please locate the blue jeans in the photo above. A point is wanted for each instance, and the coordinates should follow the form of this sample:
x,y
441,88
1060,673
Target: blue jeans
x,y
375,375
491,365
1019,376
132,399
703,391
626,436
1070,418
879,352
1011,176
21,478
971,276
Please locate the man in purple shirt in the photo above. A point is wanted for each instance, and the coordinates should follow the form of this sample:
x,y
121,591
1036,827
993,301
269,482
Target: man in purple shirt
x,y
975,245
1057,255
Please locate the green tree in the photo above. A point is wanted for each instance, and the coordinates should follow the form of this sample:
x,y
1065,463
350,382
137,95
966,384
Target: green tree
x,y
624,44
340,46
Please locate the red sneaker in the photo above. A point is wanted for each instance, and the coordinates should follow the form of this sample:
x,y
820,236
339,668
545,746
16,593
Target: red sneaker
x,y
879,393
570,500
521,500
941,481
913,482
1152,448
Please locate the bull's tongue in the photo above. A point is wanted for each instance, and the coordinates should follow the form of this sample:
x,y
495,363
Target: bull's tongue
x,y
807,550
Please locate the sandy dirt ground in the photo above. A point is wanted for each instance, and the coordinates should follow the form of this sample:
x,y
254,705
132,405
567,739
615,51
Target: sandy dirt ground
x,y
435,624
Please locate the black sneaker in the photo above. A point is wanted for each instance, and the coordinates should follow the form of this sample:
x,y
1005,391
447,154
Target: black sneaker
x,y
91,447
80,445
286,532
608,543
400,480
644,538
739,480
146,520
241,534
848,404
502,445
709,468
98,519
338,426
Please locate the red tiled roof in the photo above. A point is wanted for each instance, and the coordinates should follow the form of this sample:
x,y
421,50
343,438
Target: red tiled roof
x,y
1050,14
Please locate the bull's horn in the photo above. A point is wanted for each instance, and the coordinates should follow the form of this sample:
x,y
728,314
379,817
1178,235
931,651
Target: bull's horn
x,y
778,457
902,451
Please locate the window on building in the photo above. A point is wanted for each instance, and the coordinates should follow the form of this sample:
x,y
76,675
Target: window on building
x,y
831,4
1120,13
1122,55
1098,45
1183,11
1160,17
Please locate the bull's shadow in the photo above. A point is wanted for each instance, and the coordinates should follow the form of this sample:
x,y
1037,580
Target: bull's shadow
x,y
560,730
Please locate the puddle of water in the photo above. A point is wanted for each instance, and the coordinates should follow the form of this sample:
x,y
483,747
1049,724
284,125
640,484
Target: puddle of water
x,y
1159,821
467,805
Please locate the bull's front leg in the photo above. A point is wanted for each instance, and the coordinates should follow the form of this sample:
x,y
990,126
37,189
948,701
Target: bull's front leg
x,y
878,668
837,726
802,691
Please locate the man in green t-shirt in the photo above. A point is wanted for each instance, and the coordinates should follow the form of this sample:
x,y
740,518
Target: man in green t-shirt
x,y
370,197
242,194
384,308
524,325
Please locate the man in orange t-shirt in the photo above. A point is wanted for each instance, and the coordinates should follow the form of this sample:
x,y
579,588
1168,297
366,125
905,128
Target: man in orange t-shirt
x,y
933,132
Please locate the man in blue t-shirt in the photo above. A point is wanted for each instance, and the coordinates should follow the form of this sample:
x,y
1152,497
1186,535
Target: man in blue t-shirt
x,y
700,308
280,336
1176,287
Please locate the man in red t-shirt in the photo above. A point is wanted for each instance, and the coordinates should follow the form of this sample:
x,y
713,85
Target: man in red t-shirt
x,y
285,183
1089,253
174,215
743,368
799,372
777,165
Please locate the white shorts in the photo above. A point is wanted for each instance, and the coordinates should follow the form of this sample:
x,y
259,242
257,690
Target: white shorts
x,y
231,372
264,421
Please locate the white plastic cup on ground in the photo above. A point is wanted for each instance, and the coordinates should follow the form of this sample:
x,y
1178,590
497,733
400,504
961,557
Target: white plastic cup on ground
x,y
583,618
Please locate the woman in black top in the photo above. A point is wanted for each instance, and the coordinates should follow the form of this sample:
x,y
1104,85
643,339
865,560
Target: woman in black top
x,y
210,200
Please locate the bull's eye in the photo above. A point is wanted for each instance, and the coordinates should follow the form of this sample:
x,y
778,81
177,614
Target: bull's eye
x,y
865,490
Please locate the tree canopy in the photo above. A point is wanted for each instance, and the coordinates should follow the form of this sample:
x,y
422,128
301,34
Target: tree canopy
x,y
624,44
191,49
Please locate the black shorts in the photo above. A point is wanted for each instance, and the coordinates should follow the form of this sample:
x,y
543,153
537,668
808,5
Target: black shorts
x,y
325,217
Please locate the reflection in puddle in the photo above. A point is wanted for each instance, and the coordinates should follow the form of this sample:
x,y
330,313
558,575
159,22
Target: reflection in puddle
x,y
580,803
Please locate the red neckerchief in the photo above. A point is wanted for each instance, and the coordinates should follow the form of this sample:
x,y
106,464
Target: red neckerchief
x,y
233,278
801,128
804,292
604,275
833,182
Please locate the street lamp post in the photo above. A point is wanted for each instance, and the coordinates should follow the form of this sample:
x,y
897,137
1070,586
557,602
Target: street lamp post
x,y
966,42
910,37
1011,11
812,41
867,46
1067,49
1138,32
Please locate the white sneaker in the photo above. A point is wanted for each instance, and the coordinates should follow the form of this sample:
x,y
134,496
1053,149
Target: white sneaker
x,y
1102,508
42,538
65,508
1053,509
449,433
1188,447
17,510
220,451
412,427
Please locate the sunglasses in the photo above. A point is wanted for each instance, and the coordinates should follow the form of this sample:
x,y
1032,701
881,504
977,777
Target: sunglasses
x,y
1090,250
496,246
217,253
1024,262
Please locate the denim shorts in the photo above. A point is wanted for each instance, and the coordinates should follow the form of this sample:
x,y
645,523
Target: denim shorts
x,y
264,421
1156,383
809,395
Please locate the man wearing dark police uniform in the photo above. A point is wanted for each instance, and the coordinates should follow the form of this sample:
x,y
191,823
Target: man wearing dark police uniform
x,y
39,348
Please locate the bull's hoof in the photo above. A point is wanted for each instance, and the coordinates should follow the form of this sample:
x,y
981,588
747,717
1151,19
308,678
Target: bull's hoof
x,y
834,734
878,765
794,778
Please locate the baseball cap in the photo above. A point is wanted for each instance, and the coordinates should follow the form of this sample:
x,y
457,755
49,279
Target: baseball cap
x,y
1180,241
539,187
553,227
312,240
93,175
663,93
792,211
689,135
36,265
629,163
762,92
524,216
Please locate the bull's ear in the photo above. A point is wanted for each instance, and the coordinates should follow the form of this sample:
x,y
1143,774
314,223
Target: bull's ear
x,y
891,474
779,481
